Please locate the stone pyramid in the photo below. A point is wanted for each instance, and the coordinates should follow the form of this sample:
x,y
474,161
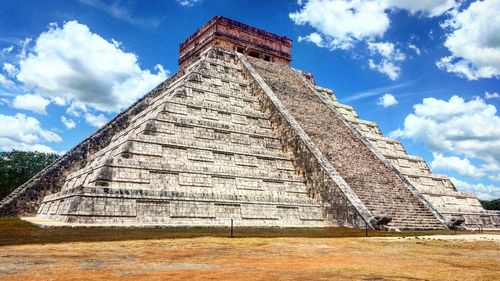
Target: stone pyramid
x,y
237,134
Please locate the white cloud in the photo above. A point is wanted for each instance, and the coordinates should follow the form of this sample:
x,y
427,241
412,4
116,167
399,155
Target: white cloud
x,y
75,64
415,48
95,120
7,50
386,50
493,169
343,22
187,3
483,191
387,100
22,132
59,101
495,177
474,41
313,38
69,123
31,102
76,108
4,81
494,95
10,69
386,67
429,8
452,163
24,47
468,128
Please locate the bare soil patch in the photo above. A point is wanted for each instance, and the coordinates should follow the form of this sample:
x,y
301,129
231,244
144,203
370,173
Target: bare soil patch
x,y
255,259
159,254
14,231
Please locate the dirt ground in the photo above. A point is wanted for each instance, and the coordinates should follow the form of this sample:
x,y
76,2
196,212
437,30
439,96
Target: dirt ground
x,y
204,258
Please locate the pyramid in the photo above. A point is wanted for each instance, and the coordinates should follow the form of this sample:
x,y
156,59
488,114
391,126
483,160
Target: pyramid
x,y
238,135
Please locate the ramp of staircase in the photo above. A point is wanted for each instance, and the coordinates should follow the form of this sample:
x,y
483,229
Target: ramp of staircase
x,y
376,185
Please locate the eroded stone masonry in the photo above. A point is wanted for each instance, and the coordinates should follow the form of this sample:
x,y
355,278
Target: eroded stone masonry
x,y
239,135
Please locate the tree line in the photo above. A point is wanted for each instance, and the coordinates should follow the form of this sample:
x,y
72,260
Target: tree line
x,y
17,167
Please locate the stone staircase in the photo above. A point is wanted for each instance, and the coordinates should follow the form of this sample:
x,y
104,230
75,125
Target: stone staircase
x,y
436,189
201,154
374,182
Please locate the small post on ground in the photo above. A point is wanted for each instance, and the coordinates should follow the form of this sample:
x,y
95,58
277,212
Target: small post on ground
x,y
366,229
231,228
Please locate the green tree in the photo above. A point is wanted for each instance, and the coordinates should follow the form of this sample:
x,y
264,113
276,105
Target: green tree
x,y
491,204
16,167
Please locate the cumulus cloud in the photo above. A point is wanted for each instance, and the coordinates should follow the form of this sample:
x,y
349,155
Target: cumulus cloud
x,y
430,8
187,3
68,122
4,81
415,48
390,56
343,22
31,102
74,64
387,100
386,50
452,163
468,128
314,38
22,132
483,191
494,95
95,120
385,67
10,69
7,50
59,101
474,41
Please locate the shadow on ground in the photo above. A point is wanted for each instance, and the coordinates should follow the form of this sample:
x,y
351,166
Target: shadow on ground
x,y
14,231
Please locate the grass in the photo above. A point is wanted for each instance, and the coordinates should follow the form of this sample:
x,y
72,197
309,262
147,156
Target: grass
x,y
14,231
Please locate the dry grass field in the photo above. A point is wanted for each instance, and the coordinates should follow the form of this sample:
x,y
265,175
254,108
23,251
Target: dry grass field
x,y
471,257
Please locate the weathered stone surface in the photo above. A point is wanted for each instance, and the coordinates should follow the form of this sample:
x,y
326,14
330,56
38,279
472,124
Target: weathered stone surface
x,y
204,156
26,198
243,138
236,36
379,188
438,190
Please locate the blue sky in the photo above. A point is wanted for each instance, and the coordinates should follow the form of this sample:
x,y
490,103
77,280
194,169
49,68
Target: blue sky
x,y
426,71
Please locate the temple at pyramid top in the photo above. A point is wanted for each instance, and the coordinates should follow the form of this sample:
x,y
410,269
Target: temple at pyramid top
x,y
241,38
237,135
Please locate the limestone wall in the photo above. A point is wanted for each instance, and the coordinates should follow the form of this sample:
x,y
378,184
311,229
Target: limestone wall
x,y
437,189
341,205
378,187
202,153
27,197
